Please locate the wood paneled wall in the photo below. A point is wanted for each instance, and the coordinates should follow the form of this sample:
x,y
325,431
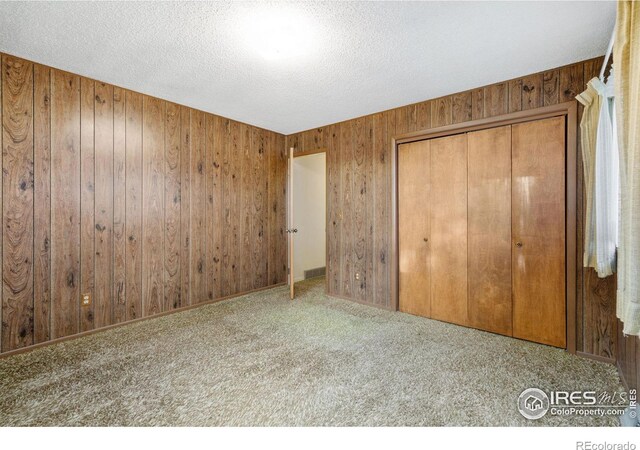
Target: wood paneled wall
x,y
629,359
359,186
150,206
144,204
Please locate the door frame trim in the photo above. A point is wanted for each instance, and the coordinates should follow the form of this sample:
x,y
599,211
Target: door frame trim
x,y
567,109
326,205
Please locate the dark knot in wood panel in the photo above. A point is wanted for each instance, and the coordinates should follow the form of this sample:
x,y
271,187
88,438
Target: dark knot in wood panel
x,y
71,279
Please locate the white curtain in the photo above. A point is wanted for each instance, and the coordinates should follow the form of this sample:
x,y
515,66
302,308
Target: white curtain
x,y
600,161
607,179
626,57
588,133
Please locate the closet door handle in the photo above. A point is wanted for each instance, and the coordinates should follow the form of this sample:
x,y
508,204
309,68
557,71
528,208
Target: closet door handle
x,y
518,244
426,240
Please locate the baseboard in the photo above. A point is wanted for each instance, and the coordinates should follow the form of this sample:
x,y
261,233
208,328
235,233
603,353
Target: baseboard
x,y
622,377
361,302
128,322
314,273
603,359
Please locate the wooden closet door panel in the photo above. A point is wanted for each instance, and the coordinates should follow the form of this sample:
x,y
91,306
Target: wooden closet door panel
x,y
413,227
489,210
538,221
448,240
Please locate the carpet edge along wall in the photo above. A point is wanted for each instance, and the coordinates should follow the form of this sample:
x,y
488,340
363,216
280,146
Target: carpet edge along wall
x,y
359,189
145,205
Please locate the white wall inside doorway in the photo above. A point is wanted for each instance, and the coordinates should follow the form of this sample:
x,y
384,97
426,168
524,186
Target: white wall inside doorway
x,y
309,213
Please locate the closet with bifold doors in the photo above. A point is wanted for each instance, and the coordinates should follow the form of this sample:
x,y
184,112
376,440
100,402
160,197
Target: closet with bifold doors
x,y
481,226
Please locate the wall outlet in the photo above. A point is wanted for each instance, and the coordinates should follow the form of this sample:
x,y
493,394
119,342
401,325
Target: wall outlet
x,y
357,276
86,300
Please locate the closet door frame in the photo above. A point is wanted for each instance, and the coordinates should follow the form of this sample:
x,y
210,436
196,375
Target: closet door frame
x,y
570,111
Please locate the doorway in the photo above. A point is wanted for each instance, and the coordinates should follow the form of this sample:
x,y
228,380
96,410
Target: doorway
x,y
307,217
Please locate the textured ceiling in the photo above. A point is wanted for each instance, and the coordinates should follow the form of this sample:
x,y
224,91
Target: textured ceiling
x,y
357,58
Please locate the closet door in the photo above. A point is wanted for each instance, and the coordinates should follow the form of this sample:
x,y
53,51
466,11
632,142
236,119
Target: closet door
x,y
449,229
538,220
489,269
413,227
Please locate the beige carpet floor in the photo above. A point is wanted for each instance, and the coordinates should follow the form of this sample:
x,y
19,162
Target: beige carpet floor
x,y
264,360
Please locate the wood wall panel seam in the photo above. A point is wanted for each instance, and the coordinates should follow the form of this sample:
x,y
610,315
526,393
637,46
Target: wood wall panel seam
x,y
134,195
515,96
42,203
87,200
532,95
118,295
550,87
103,306
172,202
185,205
209,222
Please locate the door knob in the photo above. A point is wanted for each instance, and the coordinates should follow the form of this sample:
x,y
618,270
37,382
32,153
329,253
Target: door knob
x,y
518,244
426,240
